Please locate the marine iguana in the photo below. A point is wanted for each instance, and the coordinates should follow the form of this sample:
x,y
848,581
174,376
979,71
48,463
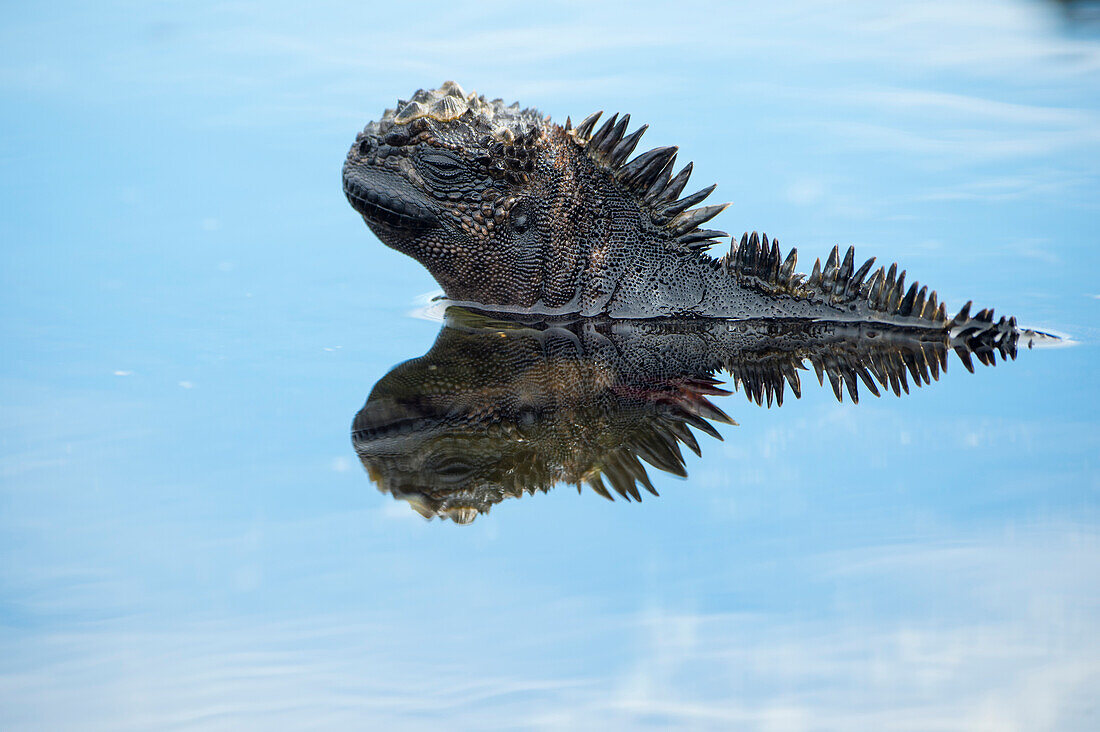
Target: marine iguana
x,y
511,212
504,406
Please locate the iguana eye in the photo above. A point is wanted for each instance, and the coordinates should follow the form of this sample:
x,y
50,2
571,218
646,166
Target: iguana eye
x,y
452,469
444,165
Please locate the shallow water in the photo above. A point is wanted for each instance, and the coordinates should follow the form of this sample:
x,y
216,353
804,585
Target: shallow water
x,y
192,316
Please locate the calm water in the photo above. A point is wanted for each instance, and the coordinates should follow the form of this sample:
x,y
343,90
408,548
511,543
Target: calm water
x,y
192,315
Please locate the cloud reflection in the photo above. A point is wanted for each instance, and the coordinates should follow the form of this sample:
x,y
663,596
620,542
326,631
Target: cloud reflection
x,y
998,633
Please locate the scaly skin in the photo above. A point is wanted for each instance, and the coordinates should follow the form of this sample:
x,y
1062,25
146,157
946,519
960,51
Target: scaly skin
x,y
503,406
514,213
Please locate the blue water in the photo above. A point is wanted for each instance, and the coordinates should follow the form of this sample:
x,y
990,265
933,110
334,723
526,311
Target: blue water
x,y
191,315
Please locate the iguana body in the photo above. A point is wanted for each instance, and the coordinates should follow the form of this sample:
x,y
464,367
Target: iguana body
x,y
503,406
514,213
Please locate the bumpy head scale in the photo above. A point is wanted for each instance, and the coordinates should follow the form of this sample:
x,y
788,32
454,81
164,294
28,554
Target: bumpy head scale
x,y
449,102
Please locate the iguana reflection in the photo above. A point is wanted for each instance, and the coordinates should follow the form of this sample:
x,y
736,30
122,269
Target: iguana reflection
x,y
499,408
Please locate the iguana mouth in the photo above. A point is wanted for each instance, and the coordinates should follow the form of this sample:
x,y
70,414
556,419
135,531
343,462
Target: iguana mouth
x,y
380,207
387,418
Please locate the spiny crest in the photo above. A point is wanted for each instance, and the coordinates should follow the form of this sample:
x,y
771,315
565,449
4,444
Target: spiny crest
x,y
887,362
757,259
884,292
649,176
980,335
658,441
624,470
838,281
449,102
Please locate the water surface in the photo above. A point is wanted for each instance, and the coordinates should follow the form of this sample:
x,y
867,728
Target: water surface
x,y
192,315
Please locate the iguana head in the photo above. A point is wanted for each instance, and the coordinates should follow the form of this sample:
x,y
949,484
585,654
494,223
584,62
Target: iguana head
x,y
449,179
505,208
501,409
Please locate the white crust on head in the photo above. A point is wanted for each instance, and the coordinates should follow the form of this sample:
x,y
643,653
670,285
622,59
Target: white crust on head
x,y
450,102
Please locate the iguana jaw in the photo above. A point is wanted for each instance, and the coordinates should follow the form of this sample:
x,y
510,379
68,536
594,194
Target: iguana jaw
x,y
388,204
